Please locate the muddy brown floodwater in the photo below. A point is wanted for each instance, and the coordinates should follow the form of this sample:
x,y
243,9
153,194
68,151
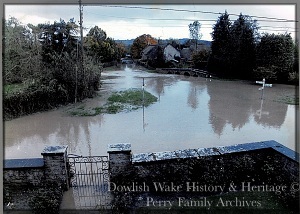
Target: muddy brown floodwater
x,y
191,112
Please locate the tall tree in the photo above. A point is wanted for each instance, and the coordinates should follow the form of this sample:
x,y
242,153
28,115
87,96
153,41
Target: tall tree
x,y
275,56
243,44
195,34
120,50
294,75
219,61
58,38
93,43
101,47
140,43
21,54
61,56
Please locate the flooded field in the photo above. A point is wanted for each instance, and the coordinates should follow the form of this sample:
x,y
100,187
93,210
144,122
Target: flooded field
x,y
191,112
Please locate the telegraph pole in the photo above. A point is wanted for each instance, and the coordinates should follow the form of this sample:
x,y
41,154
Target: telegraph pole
x,y
79,54
81,35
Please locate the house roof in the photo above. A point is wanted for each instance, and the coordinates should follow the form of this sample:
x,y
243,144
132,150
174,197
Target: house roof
x,y
148,49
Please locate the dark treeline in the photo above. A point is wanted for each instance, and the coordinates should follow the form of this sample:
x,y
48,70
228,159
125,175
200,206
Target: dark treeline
x,y
238,51
44,66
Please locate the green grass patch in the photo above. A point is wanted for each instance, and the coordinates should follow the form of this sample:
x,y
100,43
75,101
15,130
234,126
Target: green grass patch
x,y
136,97
128,100
114,108
291,100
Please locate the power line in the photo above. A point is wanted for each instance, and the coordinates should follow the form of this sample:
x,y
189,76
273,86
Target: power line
x,y
261,28
195,11
173,19
184,26
202,25
157,19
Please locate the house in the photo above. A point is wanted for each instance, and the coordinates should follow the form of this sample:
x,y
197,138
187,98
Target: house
x,y
171,54
149,53
167,53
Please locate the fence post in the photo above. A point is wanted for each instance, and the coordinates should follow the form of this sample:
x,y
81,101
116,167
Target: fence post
x,y
119,158
55,160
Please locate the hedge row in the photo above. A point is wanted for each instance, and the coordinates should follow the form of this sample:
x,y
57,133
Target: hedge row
x,y
28,102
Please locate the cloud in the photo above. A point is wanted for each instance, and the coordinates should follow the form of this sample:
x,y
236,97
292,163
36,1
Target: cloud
x,y
128,23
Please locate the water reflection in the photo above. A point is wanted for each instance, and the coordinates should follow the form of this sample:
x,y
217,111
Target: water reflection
x,y
48,128
190,113
195,90
230,105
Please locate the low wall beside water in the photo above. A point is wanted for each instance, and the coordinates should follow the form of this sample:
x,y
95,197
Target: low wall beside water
x,y
26,181
183,173
136,181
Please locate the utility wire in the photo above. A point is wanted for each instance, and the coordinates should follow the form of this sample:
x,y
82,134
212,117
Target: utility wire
x,y
211,26
174,19
266,19
161,19
285,29
202,26
195,11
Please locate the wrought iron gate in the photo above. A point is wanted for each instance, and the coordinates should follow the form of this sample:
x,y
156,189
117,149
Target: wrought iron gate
x,y
89,178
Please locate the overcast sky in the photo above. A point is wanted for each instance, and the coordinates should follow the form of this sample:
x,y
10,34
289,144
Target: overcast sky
x,y
162,21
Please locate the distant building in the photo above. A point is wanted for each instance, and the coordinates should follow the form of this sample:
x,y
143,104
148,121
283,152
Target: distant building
x,y
151,52
171,54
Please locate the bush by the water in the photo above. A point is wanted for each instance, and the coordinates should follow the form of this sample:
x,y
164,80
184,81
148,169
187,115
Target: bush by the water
x,y
32,100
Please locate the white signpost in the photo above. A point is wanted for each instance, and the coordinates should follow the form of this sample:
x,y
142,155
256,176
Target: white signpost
x,y
260,111
263,82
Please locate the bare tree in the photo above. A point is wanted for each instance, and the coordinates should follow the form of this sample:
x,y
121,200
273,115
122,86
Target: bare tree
x,y
195,31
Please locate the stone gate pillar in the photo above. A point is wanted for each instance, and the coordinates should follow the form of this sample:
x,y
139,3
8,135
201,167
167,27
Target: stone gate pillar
x,y
55,162
119,158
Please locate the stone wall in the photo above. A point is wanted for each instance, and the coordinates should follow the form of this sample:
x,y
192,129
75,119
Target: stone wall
x,y
25,179
55,160
259,163
119,159
120,155
23,172
28,181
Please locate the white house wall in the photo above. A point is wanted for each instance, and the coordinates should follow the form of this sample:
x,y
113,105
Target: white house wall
x,y
170,53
